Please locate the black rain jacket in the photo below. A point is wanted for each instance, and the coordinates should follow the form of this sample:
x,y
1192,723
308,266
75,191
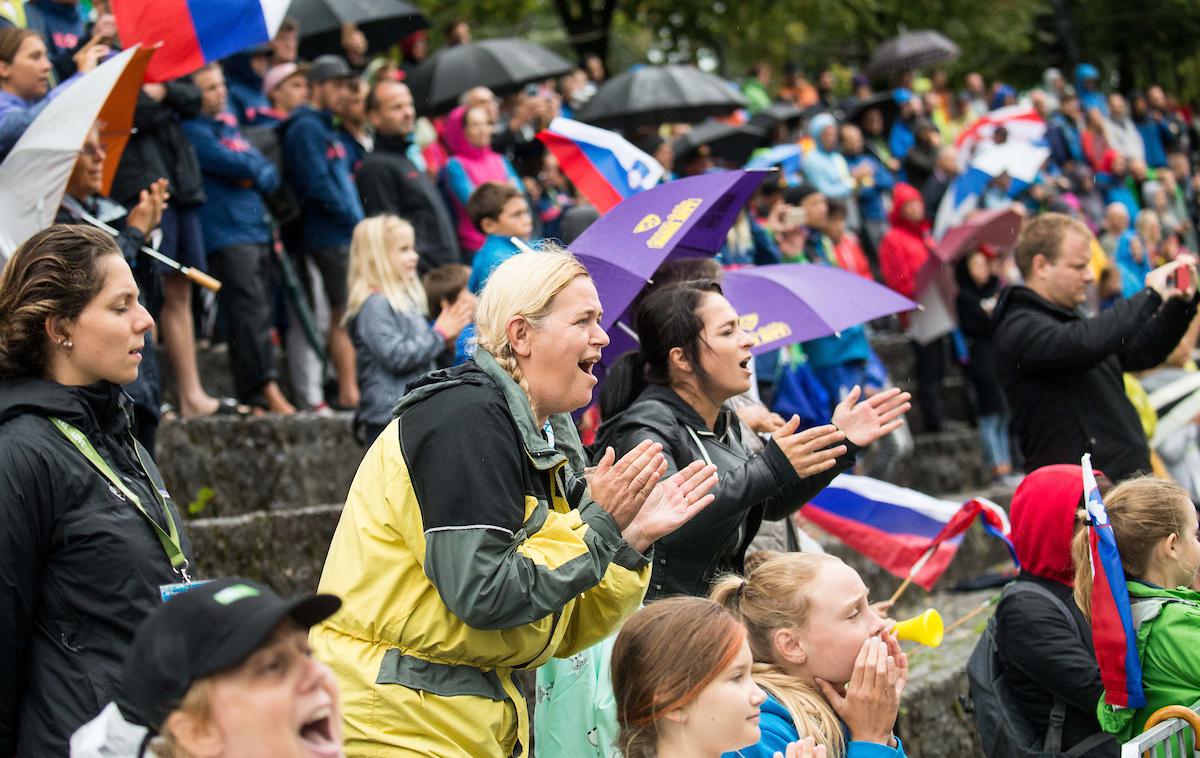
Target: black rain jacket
x,y
80,567
1062,374
751,487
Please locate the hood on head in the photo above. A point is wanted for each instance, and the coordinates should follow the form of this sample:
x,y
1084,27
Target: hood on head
x,y
455,134
1043,516
902,194
1084,72
818,124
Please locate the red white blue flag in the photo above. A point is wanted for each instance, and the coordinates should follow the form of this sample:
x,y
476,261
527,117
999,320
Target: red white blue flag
x,y
1113,633
195,32
906,532
603,165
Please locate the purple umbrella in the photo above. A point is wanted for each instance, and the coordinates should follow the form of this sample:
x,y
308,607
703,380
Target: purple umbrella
x,y
786,303
686,217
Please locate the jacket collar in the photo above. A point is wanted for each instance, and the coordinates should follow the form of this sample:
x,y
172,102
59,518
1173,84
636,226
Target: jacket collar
x,y
541,451
685,412
1019,295
388,143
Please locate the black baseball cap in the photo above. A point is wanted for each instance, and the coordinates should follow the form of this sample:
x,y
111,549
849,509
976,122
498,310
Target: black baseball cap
x,y
208,629
327,67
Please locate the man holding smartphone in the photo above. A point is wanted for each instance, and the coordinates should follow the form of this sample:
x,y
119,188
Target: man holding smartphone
x,y
1062,370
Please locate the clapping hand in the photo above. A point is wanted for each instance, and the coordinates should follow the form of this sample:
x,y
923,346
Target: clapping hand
x,y
671,504
812,450
147,214
875,417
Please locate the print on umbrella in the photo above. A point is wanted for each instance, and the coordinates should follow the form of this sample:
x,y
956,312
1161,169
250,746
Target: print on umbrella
x,y
667,229
769,332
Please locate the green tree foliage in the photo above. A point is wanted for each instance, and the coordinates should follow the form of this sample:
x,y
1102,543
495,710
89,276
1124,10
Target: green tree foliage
x,y
1014,39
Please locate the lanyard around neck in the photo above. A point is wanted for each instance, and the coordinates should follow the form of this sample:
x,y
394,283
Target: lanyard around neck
x,y
169,537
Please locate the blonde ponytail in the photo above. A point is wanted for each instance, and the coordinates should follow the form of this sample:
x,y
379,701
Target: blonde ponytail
x,y
774,596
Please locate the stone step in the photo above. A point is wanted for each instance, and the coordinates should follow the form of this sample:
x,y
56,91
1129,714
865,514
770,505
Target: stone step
x,y
225,466
934,722
285,549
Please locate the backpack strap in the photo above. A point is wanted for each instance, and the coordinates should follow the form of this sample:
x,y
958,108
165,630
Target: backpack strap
x,y
1058,714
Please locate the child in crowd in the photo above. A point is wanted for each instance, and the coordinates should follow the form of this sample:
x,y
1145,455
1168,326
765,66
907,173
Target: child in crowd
x,y
385,315
501,212
812,631
846,246
978,288
679,693
444,286
1155,526
223,669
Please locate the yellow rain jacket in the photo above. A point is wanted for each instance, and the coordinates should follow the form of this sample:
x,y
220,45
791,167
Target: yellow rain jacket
x,y
468,548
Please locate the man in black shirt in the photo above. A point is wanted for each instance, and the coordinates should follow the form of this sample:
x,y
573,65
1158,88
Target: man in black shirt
x,y
391,182
1062,371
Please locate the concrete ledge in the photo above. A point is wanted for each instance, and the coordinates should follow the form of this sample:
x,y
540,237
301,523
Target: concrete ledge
x,y
285,549
229,466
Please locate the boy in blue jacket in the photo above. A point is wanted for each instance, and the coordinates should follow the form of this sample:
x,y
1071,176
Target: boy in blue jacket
x,y
238,238
501,212
317,167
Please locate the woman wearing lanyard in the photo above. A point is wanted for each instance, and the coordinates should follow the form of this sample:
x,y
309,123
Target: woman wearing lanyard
x,y
89,537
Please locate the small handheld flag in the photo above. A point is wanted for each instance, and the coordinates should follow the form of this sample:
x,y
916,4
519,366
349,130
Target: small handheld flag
x,y
1113,634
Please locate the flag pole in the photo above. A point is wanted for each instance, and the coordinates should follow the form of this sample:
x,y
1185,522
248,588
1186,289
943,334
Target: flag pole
x,y
912,573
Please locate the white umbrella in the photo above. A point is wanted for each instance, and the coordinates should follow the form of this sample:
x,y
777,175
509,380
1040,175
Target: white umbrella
x,y
34,175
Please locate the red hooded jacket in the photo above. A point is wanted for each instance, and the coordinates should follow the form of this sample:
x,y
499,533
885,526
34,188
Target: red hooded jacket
x,y
905,247
1043,516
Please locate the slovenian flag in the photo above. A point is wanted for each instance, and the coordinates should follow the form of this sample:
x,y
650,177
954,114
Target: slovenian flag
x,y
906,532
603,165
195,32
1113,635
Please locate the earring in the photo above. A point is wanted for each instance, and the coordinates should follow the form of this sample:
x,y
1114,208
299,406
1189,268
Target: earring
x,y
67,344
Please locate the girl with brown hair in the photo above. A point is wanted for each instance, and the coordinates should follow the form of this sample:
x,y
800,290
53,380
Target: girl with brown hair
x,y
683,693
1155,526
830,666
89,535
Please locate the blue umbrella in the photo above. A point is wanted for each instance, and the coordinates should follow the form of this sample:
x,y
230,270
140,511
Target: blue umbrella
x,y
788,158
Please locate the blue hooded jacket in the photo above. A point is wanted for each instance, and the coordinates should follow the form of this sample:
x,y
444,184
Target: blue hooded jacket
x,y
246,98
317,167
826,169
1133,274
778,731
1089,98
236,176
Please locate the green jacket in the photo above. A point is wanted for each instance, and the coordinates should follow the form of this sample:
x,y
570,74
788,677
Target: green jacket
x,y
1168,644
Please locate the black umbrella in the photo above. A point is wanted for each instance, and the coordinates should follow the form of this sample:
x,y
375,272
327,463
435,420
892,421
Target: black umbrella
x,y
885,102
383,22
783,113
732,143
909,51
502,65
653,95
